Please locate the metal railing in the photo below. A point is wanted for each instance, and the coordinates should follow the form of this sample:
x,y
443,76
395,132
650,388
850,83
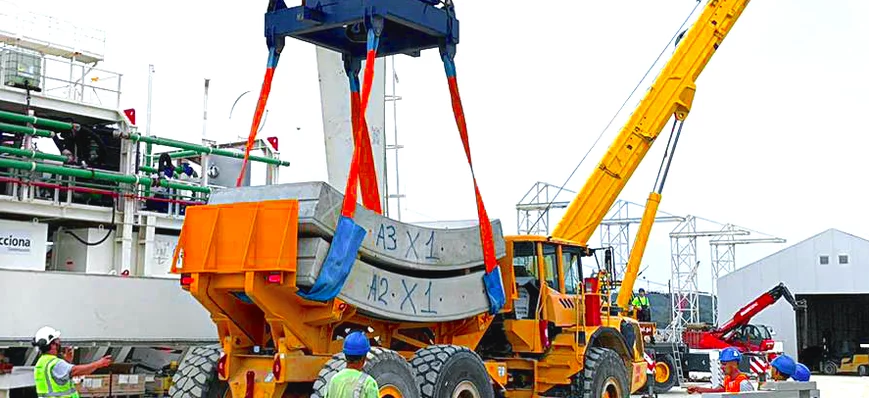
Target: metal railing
x,y
64,79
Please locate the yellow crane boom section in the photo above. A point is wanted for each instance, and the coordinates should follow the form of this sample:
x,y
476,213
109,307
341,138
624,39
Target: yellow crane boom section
x,y
672,93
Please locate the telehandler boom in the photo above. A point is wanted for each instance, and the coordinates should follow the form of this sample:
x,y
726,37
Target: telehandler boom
x,y
286,272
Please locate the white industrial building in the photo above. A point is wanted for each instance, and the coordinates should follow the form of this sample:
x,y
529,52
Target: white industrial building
x,y
831,272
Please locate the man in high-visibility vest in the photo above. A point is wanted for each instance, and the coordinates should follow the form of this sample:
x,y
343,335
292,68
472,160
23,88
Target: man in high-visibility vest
x,y
351,382
734,380
641,303
53,374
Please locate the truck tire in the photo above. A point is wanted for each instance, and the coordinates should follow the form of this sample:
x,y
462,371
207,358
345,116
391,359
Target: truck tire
x,y
196,376
391,371
447,371
665,374
604,375
863,370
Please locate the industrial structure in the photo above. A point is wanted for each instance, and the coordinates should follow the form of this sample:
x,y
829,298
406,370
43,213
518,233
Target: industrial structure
x,y
828,271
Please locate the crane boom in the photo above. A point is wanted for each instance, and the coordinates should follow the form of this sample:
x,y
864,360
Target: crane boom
x,y
671,93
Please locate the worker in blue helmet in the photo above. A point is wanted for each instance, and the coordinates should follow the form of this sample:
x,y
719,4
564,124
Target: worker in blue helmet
x,y
734,380
352,382
783,367
802,373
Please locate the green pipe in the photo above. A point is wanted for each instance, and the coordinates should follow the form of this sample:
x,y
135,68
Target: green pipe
x,y
183,154
38,122
96,174
147,164
13,128
149,169
202,149
31,154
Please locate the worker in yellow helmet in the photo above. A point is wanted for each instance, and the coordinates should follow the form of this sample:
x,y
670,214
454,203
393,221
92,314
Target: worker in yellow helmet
x,y
53,374
352,382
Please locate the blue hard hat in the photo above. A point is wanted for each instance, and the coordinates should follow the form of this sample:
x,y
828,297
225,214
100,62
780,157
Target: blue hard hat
x,y
801,373
784,364
730,354
356,344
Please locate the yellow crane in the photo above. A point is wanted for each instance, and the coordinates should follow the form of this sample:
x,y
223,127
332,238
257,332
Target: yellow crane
x,y
250,252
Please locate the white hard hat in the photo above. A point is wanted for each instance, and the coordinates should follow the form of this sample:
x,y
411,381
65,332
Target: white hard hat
x,y
45,335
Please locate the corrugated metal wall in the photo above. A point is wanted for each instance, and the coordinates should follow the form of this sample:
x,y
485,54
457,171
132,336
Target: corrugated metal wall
x,y
800,268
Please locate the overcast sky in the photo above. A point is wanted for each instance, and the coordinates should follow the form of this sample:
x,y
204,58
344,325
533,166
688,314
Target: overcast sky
x,y
774,142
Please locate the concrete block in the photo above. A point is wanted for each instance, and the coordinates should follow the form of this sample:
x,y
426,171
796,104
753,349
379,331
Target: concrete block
x,y
391,243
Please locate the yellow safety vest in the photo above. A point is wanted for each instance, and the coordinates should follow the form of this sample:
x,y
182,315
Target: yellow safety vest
x,y
45,384
640,301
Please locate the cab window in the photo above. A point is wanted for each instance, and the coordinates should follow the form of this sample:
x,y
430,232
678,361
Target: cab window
x,y
570,262
524,259
550,260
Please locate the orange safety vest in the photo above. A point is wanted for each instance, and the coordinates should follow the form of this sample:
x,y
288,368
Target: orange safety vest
x,y
733,385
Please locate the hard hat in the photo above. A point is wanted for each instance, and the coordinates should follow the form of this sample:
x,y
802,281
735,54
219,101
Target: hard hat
x,y
642,290
730,354
784,364
356,344
45,335
801,373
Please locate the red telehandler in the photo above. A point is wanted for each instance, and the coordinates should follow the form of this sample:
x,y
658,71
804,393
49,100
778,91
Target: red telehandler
x,y
738,332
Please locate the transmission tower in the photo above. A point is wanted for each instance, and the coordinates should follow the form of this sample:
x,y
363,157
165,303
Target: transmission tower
x,y
723,251
615,231
684,269
532,212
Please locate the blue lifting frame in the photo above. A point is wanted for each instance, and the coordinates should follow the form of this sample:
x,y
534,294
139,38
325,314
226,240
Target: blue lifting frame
x,y
403,26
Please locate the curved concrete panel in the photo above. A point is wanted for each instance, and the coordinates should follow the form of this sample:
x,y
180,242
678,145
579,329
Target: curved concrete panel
x,y
389,242
395,296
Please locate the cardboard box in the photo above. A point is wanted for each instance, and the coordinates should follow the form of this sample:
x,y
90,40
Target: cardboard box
x,y
92,385
99,385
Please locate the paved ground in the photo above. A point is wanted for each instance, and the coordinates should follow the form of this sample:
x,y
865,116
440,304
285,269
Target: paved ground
x,y
830,386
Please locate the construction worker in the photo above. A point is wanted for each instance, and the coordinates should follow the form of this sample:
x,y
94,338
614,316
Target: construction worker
x,y
641,304
734,380
802,373
782,367
351,382
52,374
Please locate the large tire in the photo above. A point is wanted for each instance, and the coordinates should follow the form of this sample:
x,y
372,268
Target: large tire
x,y
445,371
196,376
829,368
604,373
863,370
665,374
390,370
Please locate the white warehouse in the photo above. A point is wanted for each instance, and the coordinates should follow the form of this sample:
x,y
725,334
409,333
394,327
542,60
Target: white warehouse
x,y
831,272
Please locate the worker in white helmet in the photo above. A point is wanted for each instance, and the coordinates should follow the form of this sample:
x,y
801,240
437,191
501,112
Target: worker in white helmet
x,y
53,374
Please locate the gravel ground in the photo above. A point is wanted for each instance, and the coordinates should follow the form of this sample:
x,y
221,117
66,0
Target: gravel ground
x,y
830,386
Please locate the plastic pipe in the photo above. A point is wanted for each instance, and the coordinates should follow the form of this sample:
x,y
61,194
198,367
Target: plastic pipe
x,y
16,129
95,191
198,148
183,154
31,154
153,170
38,122
98,175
